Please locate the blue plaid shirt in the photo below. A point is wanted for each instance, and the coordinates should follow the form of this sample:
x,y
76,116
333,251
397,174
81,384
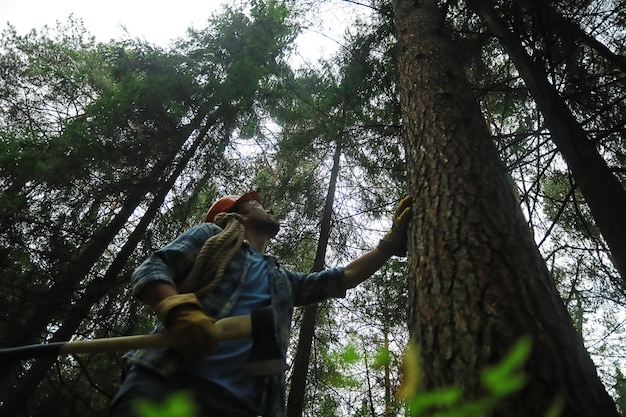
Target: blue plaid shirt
x,y
173,263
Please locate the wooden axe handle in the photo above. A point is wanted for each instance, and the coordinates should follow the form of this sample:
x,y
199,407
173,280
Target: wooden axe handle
x,y
236,327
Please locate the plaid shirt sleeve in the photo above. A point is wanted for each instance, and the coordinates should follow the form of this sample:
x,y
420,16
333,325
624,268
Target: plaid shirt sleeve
x,y
317,286
173,262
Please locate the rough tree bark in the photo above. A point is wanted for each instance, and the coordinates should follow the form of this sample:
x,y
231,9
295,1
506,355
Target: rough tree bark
x,y
477,281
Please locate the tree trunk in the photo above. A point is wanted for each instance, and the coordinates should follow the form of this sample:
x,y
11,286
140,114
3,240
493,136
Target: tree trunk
x,y
295,402
387,368
477,281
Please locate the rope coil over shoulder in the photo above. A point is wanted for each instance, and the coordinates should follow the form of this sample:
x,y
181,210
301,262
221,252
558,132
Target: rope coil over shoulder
x,y
215,254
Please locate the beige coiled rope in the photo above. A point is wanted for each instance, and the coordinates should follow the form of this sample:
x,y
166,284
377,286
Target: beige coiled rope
x,y
215,255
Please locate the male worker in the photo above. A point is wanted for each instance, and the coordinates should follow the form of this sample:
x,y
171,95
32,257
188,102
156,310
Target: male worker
x,y
216,270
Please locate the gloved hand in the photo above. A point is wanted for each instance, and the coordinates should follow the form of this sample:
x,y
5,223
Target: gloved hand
x,y
394,242
192,332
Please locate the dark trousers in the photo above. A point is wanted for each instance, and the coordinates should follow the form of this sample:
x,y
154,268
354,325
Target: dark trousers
x,y
210,400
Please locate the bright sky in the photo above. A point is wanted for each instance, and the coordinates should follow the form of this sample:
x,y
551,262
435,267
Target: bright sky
x,y
155,21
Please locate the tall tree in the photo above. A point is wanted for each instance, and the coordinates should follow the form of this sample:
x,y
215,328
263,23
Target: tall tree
x,y
336,102
603,191
478,282
295,401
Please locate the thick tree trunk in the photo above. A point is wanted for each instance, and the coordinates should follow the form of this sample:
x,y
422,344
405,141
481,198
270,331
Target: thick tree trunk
x,y
478,282
295,402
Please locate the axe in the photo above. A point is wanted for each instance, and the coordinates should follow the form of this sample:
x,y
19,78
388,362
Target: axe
x,y
265,357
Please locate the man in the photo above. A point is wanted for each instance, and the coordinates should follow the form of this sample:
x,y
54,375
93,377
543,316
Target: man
x,y
218,269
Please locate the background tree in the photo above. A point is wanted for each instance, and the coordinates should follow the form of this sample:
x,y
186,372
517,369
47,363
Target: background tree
x,y
331,104
556,57
562,44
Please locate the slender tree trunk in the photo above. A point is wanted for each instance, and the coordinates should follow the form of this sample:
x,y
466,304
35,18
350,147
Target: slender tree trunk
x,y
370,389
387,369
603,192
477,280
295,402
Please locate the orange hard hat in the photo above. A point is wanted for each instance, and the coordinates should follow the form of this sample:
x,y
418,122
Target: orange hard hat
x,y
226,204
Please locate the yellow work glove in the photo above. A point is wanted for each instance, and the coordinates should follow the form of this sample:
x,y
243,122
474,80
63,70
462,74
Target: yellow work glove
x,y
192,332
394,242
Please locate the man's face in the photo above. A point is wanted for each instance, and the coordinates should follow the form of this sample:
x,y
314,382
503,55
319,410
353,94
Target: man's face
x,y
258,218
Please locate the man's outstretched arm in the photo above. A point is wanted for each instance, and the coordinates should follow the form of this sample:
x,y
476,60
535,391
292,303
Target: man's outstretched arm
x,y
365,266
393,243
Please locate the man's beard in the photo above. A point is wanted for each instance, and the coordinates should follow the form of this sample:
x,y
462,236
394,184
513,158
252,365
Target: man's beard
x,y
268,226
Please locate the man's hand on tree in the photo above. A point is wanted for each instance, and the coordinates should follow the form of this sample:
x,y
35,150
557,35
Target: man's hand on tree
x,y
395,241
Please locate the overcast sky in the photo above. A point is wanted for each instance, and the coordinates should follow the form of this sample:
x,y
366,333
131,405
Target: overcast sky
x,y
155,21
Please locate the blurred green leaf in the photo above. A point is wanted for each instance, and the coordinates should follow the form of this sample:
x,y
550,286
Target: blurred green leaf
x,y
177,405
382,358
506,377
434,399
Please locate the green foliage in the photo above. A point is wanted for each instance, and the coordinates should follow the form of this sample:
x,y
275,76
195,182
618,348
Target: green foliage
x,y
499,381
349,355
382,358
176,405
506,378
326,406
343,360
238,57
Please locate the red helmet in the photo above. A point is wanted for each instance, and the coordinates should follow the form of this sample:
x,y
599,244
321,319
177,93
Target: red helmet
x,y
226,204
